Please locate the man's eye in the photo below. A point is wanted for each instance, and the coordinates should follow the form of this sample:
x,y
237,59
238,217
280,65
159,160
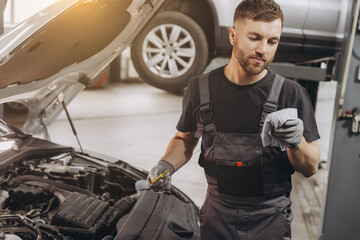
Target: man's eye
x,y
273,42
253,38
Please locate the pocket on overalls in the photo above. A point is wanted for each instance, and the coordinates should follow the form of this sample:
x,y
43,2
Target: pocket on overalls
x,y
241,181
285,217
239,164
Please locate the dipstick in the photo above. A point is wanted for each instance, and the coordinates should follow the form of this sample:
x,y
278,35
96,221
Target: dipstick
x,y
160,176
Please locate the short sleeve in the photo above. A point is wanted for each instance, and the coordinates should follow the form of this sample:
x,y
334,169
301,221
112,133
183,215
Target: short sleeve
x,y
306,114
187,121
293,95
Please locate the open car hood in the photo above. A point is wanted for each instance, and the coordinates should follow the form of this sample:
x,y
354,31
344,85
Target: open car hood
x,y
49,58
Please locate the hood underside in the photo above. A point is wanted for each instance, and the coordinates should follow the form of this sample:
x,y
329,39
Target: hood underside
x,y
49,59
74,36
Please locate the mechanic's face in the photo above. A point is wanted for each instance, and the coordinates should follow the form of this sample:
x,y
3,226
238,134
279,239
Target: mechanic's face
x,y
255,43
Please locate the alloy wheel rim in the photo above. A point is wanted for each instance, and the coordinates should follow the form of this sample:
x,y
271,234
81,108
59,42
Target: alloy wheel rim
x,y
168,50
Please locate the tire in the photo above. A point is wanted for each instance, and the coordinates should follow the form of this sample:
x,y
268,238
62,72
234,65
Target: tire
x,y
160,63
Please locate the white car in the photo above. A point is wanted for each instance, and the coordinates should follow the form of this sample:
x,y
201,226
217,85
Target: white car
x,y
186,35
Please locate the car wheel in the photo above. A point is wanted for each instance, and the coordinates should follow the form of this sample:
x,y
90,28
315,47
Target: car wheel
x,y
171,49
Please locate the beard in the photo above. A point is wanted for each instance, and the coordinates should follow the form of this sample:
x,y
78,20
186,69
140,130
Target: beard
x,y
251,67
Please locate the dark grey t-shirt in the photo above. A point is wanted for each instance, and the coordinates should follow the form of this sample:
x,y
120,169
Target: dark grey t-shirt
x,y
238,108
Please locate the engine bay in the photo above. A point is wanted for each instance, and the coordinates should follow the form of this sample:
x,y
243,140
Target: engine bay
x,y
50,191
65,196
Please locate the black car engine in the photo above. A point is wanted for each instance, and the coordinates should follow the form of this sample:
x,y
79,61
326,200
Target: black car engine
x,y
74,196
64,197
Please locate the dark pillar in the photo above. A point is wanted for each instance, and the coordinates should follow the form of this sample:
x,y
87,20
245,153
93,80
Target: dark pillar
x,y
2,7
341,213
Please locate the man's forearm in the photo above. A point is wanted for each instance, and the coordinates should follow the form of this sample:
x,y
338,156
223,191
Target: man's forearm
x,y
305,159
180,149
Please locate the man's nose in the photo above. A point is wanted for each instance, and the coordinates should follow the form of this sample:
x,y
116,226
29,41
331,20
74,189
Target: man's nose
x,y
262,47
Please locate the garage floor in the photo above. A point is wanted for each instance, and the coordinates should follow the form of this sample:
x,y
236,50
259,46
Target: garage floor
x,y
133,122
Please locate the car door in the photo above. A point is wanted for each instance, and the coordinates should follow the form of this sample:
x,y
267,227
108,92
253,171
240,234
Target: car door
x,y
294,13
292,38
325,22
294,16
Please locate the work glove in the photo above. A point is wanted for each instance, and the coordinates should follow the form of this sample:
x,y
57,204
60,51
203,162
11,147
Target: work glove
x,y
164,182
290,132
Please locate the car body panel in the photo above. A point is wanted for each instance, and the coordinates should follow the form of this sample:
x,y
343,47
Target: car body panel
x,y
326,18
308,17
313,29
225,11
295,13
47,60
20,33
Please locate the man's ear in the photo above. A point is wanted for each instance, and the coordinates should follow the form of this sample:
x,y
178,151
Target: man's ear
x,y
232,35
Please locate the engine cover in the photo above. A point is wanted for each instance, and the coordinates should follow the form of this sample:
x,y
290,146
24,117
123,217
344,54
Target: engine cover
x,y
79,211
84,217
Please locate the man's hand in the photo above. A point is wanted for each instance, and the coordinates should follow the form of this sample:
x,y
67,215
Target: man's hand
x,y
165,181
290,132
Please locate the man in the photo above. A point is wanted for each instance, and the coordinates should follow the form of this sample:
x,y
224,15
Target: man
x,y
249,185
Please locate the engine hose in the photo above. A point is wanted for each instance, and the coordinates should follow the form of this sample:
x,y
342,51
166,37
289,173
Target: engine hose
x,y
4,195
19,231
54,232
59,193
39,234
51,202
108,237
61,185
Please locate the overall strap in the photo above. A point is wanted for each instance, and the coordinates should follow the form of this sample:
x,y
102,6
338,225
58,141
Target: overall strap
x,y
206,116
270,104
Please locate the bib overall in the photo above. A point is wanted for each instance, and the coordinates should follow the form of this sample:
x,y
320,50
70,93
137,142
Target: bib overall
x,y
248,184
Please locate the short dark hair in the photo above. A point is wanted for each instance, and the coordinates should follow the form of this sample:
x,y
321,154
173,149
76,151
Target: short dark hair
x,y
266,10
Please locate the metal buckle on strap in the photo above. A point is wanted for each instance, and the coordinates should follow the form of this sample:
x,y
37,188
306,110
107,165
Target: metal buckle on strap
x,y
269,107
206,117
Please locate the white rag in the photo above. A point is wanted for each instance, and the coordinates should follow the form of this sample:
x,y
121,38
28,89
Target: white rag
x,y
275,120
